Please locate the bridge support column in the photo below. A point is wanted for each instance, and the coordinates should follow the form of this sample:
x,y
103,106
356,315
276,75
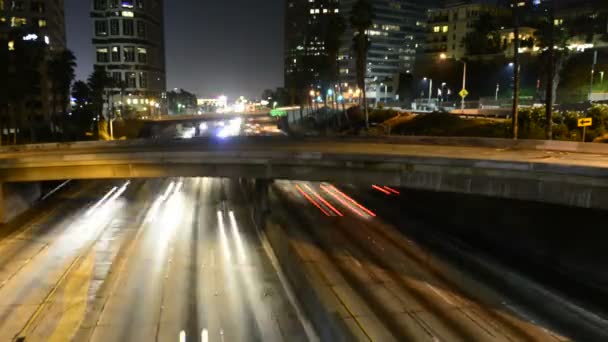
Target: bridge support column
x,y
261,201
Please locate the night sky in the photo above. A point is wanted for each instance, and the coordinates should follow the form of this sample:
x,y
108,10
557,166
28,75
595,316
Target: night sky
x,y
212,47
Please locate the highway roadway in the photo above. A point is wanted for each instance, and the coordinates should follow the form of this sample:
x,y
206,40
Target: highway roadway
x,y
391,288
156,260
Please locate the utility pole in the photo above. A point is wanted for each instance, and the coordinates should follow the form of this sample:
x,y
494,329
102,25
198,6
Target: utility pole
x,y
516,74
550,71
464,84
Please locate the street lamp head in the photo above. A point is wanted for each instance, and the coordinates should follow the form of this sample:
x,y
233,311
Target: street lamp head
x,y
443,56
312,93
511,65
424,79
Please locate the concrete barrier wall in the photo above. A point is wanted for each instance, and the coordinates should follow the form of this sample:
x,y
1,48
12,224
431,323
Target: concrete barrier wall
x,y
540,145
18,198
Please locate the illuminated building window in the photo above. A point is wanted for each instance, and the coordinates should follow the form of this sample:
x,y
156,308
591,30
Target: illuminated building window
x,y
102,55
41,23
142,55
436,29
17,21
11,46
127,3
444,29
127,14
131,79
116,54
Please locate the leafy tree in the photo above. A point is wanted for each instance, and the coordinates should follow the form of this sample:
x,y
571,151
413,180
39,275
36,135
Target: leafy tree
x,y
280,96
361,19
83,116
485,38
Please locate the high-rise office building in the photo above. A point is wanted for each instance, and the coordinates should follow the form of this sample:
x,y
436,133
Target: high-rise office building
x,y
306,31
128,37
396,34
42,19
26,26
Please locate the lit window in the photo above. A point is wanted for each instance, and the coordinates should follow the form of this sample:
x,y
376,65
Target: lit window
x,y
127,3
142,55
41,23
444,29
16,21
436,29
116,54
127,14
102,55
11,46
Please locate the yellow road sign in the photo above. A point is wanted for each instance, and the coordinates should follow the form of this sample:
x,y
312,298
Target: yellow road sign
x,y
585,122
463,93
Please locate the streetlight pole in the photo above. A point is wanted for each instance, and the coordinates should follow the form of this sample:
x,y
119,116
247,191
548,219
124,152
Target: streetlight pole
x,y
386,94
430,91
592,74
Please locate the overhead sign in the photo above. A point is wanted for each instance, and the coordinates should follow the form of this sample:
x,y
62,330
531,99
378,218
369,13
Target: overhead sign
x,y
278,112
463,93
585,122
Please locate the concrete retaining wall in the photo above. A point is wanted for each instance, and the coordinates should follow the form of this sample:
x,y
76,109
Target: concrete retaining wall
x,y
18,198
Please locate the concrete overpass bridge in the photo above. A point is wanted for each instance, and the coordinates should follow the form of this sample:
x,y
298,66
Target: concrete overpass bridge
x,y
553,172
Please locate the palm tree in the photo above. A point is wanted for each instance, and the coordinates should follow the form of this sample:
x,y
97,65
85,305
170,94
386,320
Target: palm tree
x,y
334,31
361,20
61,74
98,82
550,35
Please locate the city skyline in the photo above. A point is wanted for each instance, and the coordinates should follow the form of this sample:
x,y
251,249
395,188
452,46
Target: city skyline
x,y
212,64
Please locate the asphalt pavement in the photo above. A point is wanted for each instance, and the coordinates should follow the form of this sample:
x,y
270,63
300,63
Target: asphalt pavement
x,y
156,260
391,288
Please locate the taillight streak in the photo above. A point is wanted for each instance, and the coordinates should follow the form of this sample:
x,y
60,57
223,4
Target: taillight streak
x,y
327,204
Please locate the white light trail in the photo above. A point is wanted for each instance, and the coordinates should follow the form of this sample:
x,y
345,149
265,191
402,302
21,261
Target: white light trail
x,y
224,239
237,237
100,202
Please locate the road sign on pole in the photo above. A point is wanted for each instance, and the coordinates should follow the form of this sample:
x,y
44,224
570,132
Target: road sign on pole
x,y
585,122
463,93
